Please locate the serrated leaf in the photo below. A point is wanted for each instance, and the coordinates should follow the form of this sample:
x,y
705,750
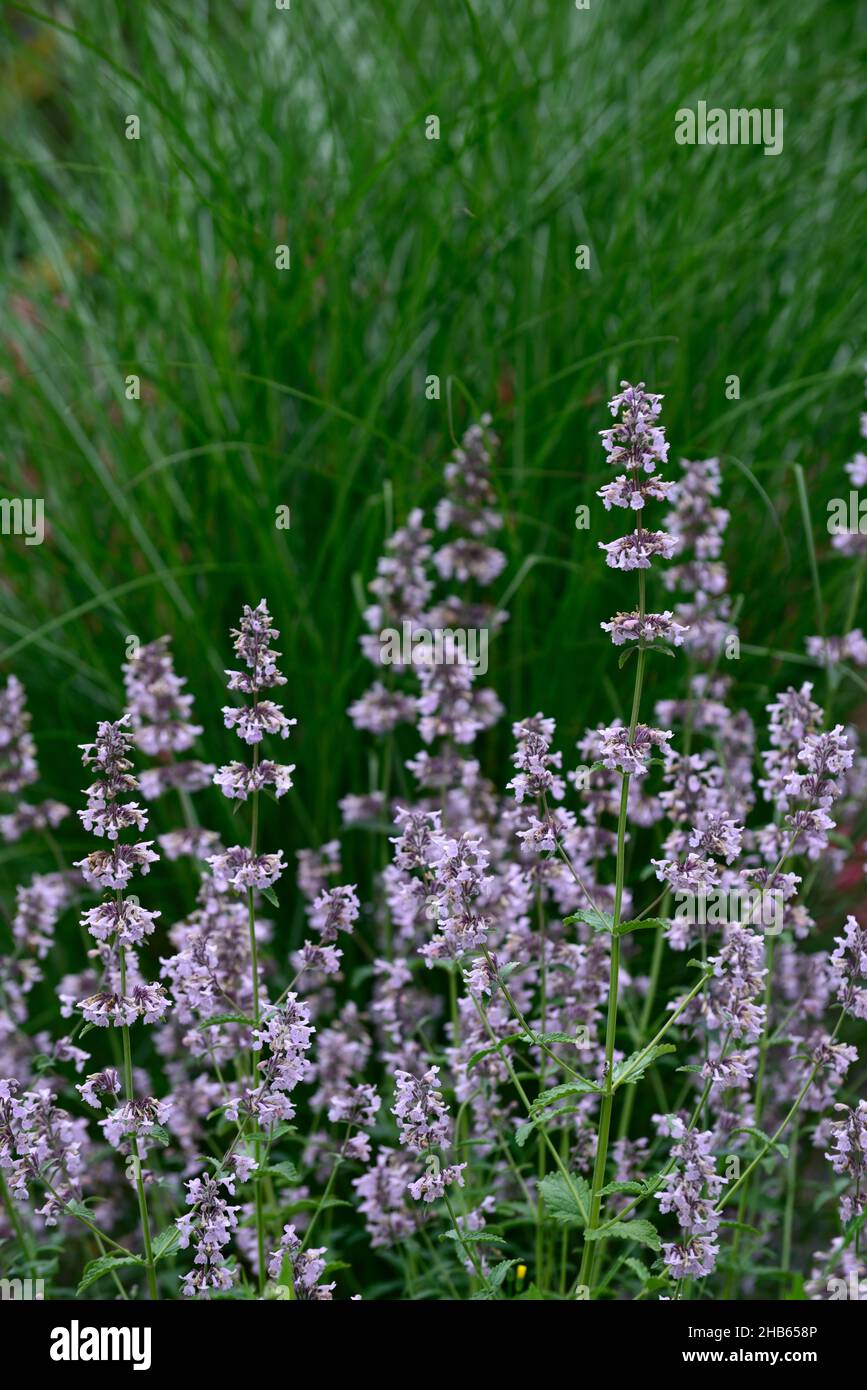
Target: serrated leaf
x,y
486,1237
314,1204
489,1051
642,1231
523,1132
166,1242
80,1208
640,924
557,1037
634,1189
564,1205
96,1269
599,921
638,1269
579,1087
286,1171
782,1149
499,1272
631,1069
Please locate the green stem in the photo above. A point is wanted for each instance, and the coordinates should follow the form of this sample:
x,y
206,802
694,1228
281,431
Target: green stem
x,y
254,966
588,1259
133,1143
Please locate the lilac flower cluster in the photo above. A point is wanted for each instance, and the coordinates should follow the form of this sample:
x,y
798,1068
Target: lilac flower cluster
x,y
423,1124
691,1192
120,922
240,867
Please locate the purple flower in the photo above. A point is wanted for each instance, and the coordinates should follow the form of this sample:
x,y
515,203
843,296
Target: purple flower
x,y
334,911
208,1225
38,907
434,1181
100,1083
849,962
252,642
535,762
635,551
691,1192
286,1032
17,750
645,627
240,869
849,1156
631,754
306,1266
158,708
422,1118
382,1191
135,1119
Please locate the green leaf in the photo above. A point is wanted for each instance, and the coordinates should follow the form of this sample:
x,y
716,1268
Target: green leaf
x,y
640,924
782,1149
625,655
523,1132
314,1204
270,895
642,1231
557,1038
638,1269
486,1237
656,647
565,1205
96,1269
166,1242
499,1272
287,1172
80,1209
631,1069
634,1189
599,921
579,1087
492,1048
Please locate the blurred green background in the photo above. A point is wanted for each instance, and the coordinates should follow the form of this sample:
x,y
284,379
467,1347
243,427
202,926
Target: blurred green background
x,y
304,388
